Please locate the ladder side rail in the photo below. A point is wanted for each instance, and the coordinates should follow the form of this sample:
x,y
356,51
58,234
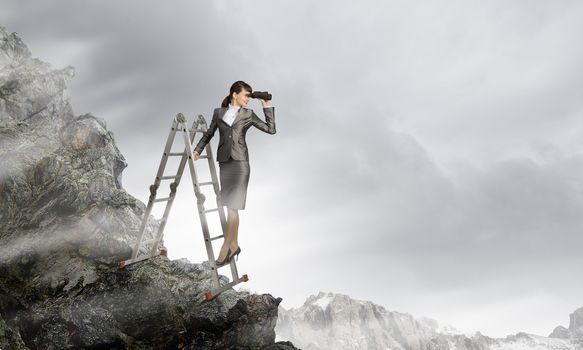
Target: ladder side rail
x,y
200,203
169,142
221,209
145,220
185,154
215,180
234,272
214,177
173,187
168,147
162,223
201,210
208,244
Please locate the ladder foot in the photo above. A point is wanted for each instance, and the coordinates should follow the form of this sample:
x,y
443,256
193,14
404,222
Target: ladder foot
x,y
219,289
122,264
163,251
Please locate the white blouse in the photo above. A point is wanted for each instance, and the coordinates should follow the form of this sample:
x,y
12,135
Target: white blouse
x,y
230,114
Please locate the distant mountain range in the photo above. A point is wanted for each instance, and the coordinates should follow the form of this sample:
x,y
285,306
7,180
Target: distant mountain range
x,y
336,321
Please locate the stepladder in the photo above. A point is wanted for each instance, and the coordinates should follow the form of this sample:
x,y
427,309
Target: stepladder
x,y
146,249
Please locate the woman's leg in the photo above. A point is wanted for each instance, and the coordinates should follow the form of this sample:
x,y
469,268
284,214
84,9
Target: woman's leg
x,y
231,234
234,232
224,249
227,239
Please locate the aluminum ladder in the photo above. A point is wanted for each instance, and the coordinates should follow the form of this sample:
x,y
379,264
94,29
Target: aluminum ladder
x,y
179,125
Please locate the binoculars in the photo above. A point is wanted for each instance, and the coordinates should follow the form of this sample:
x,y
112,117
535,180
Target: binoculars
x,y
264,95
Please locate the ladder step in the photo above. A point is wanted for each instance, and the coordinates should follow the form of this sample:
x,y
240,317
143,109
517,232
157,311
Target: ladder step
x,y
190,130
211,210
169,177
162,199
217,237
212,293
176,153
205,183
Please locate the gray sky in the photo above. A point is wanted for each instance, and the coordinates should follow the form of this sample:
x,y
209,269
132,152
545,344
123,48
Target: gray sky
x,y
428,156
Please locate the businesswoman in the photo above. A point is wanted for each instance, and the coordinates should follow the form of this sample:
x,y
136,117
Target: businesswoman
x,y
233,120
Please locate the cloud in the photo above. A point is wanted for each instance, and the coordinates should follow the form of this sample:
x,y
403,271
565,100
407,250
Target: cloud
x,y
423,149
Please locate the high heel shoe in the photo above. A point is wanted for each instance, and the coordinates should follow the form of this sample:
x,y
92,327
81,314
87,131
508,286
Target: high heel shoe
x,y
236,252
225,260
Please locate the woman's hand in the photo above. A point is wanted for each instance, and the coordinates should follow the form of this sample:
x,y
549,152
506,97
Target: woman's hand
x,y
195,155
263,103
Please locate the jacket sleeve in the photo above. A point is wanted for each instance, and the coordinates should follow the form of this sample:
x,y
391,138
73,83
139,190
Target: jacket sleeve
x,y
208,135
268,127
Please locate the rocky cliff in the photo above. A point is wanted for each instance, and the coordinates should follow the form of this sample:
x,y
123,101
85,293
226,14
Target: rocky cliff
x,y
336,321
65,223
575,330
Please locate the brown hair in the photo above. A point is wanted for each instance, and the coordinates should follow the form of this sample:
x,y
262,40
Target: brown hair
x,y
236,88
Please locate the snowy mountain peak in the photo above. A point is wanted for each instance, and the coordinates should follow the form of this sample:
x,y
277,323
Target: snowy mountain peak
x,y
336,300
438,327
324,299
336,321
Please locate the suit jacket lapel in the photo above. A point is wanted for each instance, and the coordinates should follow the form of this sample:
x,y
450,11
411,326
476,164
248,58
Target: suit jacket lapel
x,y
240,114
222,112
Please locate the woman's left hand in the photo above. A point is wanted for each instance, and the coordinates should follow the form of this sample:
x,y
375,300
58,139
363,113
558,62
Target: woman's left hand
x,y
263,102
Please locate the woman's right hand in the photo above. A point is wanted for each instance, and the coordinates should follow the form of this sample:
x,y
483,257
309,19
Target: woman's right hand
x,y
195,155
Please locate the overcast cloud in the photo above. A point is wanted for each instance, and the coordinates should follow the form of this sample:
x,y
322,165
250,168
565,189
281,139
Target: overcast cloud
x,y
428,156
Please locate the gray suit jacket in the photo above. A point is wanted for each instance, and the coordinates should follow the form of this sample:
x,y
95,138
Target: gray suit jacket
x,y
232,142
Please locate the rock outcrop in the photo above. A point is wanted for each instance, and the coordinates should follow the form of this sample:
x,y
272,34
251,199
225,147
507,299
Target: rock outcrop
x,y
66,222
575,330
336,321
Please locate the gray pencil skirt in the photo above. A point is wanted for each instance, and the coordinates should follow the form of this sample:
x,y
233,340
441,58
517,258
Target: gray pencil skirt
x,y
234,176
